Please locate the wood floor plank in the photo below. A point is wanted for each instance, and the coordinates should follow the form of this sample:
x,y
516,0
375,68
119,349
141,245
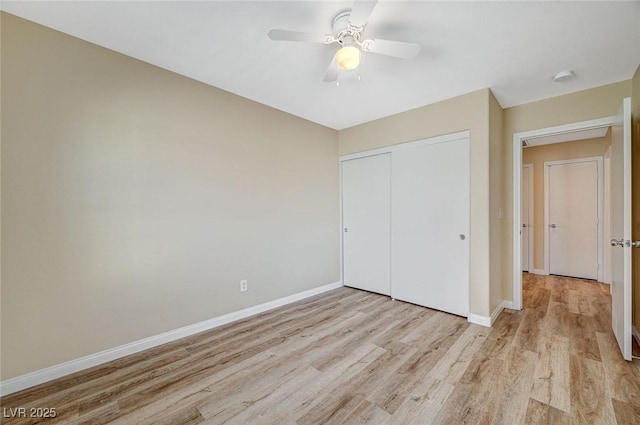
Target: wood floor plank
x,y
537,298
589,401
559,290
579,304
336,397
372,415
330,381
528,335
423,404
551,380
474,398
626,413
356,337
433,345
159,402
514,387
255,407
415,317
542,414
557,320
502,333
582,336
450,368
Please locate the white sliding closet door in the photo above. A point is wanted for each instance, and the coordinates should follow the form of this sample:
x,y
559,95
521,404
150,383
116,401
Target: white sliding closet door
x,y
366,219
430,226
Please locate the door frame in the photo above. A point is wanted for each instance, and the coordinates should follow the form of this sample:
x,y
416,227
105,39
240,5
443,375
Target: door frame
x,y
607,217
600,198
531,217
516,171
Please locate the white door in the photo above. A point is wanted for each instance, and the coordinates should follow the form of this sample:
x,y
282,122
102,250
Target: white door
x,y
526,217
366,210
430,226
621,228
573,218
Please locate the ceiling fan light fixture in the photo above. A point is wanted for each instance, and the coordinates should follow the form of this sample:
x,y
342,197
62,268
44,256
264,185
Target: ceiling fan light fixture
x,y
348,58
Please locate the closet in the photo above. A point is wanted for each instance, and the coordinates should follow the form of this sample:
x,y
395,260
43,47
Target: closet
x,y
405,215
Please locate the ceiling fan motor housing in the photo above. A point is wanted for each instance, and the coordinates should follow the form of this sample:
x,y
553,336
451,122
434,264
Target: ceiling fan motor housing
x,y
343,31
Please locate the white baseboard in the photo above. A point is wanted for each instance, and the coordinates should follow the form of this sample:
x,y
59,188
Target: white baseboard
x,y
539,271
507,304
489,320
50,373
479,320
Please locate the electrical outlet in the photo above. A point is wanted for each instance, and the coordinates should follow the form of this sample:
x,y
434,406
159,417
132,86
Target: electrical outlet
x,y
243,285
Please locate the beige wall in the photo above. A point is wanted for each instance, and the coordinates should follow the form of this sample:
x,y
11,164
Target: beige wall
x,y
495,201
134,200
585,105
537,155
635,134
467,112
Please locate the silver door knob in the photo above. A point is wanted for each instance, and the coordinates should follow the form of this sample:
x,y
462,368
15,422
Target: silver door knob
x,y
617,242
553,226
635,244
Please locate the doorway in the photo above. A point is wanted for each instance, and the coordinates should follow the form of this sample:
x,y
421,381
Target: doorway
x,y
520,140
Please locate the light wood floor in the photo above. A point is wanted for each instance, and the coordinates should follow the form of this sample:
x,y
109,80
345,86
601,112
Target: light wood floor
x,y
351,357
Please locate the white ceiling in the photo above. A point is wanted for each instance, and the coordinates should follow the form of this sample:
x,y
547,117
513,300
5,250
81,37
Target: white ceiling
x,y
513,47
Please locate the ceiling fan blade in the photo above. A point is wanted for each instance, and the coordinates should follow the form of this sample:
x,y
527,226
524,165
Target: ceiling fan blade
x,y
332,71
361,11
286,35
398,49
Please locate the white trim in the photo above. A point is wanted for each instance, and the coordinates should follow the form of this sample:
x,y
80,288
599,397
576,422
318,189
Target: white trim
x,y
539,271
531,216
341,231
600,200
408,145
606,219
516,170
489,321
496,313
504,304
44,375
627,224
507,304
479,320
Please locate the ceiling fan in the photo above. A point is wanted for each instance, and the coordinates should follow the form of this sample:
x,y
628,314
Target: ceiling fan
x,y
348,26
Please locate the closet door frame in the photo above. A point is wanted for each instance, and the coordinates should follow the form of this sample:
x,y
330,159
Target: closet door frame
x,y
390,149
